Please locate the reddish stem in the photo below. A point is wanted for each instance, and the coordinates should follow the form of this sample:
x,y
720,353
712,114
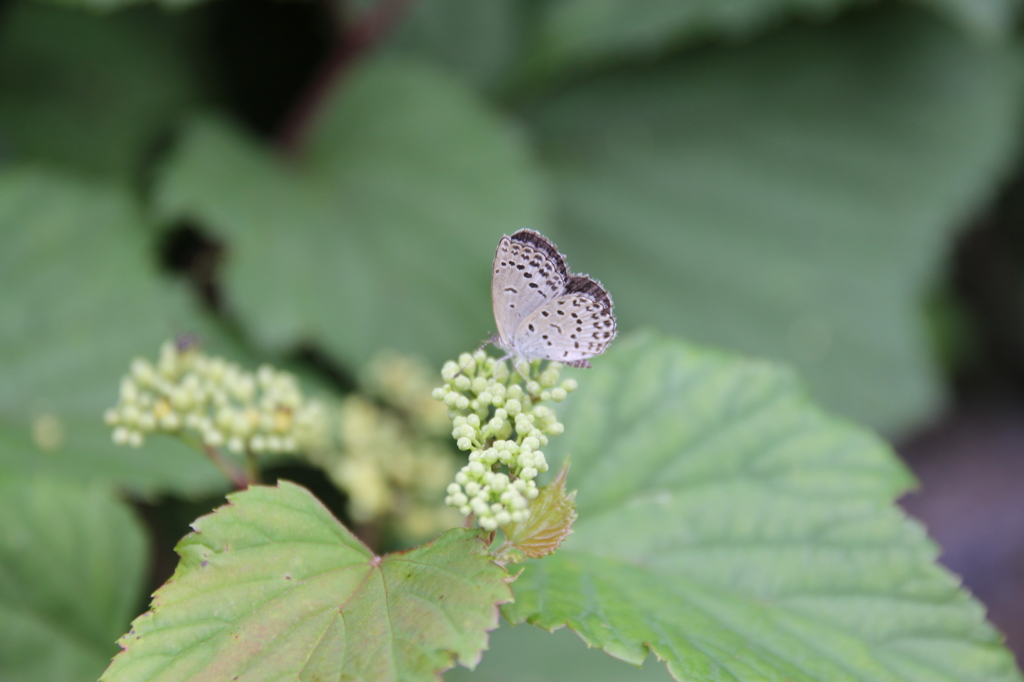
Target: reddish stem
x,y
235,474
368,30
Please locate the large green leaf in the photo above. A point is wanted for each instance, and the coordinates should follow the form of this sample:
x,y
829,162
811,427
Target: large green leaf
x,y
575,33
793,198
572,34
272,587
71,576
730,527
986,19
94,92
81,297
379,235
479,41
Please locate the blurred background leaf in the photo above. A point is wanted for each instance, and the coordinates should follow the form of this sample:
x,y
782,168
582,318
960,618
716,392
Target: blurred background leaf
x,y
478,41
60,624
94,92
375,235
985,19
554,656
81,297
570,34
792,199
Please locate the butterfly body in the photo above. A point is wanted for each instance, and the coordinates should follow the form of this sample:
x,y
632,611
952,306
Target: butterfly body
x,y
543,311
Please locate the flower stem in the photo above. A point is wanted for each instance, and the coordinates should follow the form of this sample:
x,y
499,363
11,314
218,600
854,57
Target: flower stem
x,y
368,30
239,478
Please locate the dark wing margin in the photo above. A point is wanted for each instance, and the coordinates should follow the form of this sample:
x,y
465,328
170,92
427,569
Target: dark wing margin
x,y
588,286
543,244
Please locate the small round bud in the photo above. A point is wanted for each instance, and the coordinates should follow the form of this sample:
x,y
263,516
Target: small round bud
x,y
449,370
146,421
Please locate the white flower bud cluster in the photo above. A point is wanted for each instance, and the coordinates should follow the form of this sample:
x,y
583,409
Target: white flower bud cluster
x,y
503,425
388,450
189,392
404,383
385,466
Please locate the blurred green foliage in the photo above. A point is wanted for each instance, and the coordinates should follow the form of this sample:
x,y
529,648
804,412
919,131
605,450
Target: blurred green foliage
x,y
784,178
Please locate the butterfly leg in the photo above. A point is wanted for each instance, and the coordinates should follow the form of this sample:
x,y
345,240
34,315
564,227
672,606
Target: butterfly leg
x,y
518,364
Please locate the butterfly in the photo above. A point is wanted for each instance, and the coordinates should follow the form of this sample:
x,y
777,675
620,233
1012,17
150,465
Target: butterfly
x,y
541,309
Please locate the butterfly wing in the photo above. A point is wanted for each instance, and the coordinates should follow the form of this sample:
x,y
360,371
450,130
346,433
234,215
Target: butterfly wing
x,y
528,273
570,328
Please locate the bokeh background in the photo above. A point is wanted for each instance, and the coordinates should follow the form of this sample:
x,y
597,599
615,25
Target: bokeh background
x,y
833,184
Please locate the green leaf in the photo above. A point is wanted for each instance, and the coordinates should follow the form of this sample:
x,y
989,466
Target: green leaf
x,y
373,237
272,587
791,199
81,297
551,517
478,41
571,34
71,575
737,532
987,19
94,92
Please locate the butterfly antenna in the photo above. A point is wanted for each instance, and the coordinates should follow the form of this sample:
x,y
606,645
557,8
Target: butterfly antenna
x,y
488,341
